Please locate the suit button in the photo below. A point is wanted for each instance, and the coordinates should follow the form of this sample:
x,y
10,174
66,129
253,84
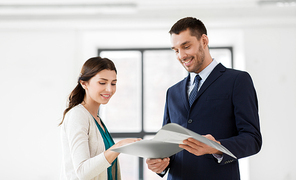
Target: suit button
x,y
190,121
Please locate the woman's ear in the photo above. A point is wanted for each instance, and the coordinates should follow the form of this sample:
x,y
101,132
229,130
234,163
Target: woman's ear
x,y
83,84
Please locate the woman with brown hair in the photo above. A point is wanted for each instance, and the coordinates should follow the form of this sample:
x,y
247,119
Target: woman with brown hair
x,y
86,141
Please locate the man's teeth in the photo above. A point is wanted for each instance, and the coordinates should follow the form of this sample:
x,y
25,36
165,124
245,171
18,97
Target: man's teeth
x,y
187,61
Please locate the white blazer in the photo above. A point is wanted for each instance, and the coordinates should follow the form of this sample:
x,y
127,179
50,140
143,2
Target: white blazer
x,y
83,147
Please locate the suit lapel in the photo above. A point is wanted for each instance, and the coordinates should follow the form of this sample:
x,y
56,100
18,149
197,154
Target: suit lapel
x,y
216,73
183,91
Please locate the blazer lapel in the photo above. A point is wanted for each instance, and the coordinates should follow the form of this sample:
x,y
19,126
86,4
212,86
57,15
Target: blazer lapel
x,y
216,73
183,91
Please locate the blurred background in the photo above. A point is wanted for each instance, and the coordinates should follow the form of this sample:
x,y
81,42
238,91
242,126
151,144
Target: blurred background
x,y
43,45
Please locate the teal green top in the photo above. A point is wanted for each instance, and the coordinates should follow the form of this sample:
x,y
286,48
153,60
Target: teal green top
x,y
108,141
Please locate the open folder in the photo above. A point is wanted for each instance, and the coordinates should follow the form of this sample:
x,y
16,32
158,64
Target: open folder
x,y
166,143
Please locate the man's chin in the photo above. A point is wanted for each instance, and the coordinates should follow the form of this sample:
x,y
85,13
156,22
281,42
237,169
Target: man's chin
x,y
188,69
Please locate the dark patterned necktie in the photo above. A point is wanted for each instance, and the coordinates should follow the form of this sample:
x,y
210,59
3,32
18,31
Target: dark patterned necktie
x,y
193,93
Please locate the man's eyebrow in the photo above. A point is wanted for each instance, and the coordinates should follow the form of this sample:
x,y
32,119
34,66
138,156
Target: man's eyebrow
x,y
184,43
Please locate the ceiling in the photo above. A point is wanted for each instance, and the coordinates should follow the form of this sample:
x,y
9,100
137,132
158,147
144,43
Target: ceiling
x,y
156,10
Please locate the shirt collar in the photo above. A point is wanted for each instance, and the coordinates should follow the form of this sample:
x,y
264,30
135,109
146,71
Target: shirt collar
x,y
205,72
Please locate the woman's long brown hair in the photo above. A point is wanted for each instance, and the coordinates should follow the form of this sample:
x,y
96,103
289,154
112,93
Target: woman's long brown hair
x,y
89,69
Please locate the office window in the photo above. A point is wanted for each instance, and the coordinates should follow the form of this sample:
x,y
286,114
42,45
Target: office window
x,y
136,109
128,96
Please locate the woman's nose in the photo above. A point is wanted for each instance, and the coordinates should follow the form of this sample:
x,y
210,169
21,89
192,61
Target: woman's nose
x,y
108,88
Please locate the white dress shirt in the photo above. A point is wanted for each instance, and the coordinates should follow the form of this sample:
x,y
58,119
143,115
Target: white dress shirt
x,y
203,74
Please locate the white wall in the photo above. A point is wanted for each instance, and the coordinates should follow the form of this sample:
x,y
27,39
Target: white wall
x,y
39,66
271,60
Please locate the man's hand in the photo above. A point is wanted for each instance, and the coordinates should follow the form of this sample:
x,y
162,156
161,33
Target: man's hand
x,y
158,165
198,148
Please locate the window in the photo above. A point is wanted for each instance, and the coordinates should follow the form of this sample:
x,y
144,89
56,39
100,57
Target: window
x,y
136,109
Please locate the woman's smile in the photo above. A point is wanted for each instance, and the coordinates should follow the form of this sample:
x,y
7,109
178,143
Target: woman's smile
x,y
106,96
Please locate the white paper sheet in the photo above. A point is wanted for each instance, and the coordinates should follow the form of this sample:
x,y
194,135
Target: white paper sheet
x,y
166,143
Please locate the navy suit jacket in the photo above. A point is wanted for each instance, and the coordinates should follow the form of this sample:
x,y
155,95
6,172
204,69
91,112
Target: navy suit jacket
x,y
226,107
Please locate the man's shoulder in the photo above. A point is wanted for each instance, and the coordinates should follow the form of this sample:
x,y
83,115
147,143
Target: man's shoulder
x,y
221,67
179,84
231,72
237,73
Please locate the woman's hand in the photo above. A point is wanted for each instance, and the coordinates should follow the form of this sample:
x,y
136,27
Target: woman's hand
x,y
112,155
125,141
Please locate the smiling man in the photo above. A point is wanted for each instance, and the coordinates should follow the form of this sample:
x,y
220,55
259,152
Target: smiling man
x,y
212,100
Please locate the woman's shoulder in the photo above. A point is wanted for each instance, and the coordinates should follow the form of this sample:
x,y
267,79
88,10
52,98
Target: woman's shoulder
x,y
77,113
78,109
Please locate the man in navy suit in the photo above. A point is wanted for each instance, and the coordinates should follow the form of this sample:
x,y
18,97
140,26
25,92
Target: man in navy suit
x,y
225,110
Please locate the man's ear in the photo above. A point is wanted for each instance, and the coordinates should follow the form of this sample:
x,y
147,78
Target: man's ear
x,y
204,40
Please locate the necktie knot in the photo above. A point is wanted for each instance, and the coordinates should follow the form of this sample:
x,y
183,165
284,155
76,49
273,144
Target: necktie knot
x,y
197,79
193,93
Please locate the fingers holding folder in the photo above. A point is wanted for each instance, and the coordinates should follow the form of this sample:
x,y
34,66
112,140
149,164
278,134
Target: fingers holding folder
x,y
198,148
158,165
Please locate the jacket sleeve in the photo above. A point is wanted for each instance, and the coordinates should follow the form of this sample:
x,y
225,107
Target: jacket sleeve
x,y
249,140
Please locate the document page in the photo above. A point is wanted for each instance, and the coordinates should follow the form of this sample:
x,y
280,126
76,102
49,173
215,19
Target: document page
x,y
166,143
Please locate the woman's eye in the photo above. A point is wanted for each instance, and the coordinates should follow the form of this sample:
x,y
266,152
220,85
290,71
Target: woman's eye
x,y
102,83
